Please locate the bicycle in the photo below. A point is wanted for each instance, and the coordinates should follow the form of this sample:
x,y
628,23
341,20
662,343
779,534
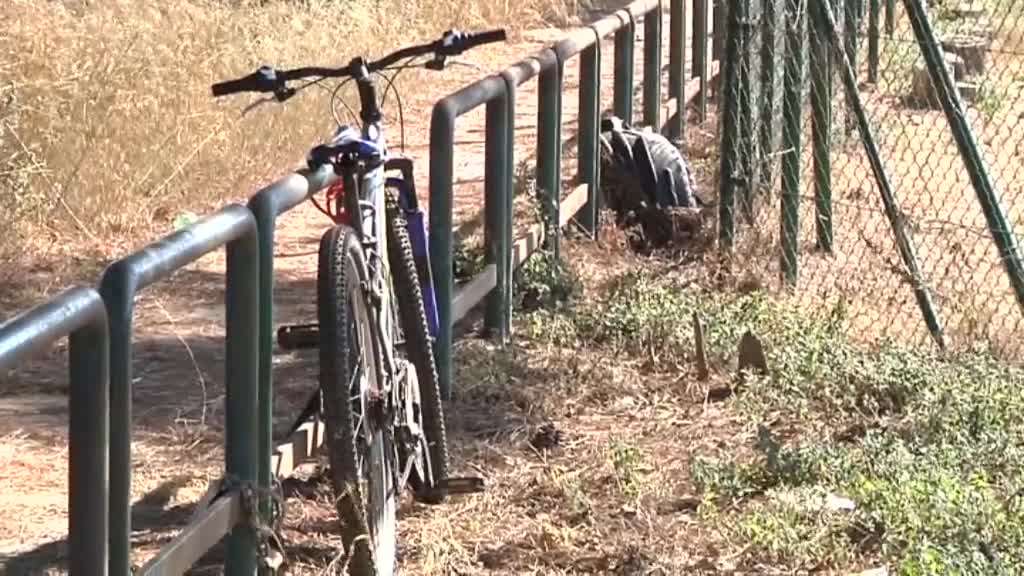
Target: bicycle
x,y
385,422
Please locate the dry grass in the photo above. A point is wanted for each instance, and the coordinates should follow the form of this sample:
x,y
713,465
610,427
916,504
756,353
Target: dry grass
x,y
585,453
108,131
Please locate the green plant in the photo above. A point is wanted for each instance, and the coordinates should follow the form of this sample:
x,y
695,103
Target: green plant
x,y
542,282
468,260
991,98
925,448
626,461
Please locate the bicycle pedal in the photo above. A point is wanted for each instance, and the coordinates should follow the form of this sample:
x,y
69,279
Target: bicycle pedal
x,y
454,486
297,337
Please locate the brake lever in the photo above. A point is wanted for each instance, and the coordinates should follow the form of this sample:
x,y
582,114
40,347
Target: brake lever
x,y
439,62
257,103
476,67
279,96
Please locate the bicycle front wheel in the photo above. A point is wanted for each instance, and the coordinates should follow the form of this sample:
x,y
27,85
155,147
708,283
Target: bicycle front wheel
x,y
360,445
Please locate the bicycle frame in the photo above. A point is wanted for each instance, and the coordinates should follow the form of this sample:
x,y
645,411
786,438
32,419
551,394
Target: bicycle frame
x,y
370,195
358,200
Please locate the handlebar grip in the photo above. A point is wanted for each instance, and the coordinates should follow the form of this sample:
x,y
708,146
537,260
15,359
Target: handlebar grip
x,y
486,37
245,84
265,79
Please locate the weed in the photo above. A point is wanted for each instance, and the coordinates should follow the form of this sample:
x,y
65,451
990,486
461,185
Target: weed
x,y
468,259
574,492
627,461
542,282
860,455
991,99
931,470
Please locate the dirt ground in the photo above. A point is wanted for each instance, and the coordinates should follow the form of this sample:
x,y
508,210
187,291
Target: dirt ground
x,y
179,394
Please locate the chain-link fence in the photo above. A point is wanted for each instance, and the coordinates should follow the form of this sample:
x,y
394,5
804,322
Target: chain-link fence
x,y
910,218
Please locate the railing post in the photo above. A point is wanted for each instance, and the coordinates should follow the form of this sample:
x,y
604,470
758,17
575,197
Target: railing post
x,y
730,176
624,64
495,205
792,109
719,31
442,142
266,205
677,67
509,196
549,150
652,68
78,313
241,430
119,285
587,151
89,445
118,290
821,125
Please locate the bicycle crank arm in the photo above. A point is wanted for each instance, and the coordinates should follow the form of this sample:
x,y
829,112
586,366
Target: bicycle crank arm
x,y
455,486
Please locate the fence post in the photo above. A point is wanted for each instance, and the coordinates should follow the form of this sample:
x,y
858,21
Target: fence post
x,y
549,151
587,147
719,30
892,210
732,143
890,17
677,67
791,116
767,93
999,225
700,55
851,28
821,124
624,64
241,443
748,130
873,17
652,68
495,188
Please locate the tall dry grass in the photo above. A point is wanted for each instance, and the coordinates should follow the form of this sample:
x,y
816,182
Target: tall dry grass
x,y
107,129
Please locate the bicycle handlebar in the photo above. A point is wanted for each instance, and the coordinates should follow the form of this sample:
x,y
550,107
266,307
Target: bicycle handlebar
x,y
267,79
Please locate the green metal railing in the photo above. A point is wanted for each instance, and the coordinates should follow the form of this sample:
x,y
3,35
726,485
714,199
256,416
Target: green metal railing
x,y
78,314
99,322
235,227
503,254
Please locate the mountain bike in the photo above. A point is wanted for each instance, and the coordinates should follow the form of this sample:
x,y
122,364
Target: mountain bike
x,y
378,387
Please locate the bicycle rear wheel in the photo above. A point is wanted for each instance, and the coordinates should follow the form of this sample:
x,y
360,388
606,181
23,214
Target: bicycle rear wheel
x,y
360,446
419,351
